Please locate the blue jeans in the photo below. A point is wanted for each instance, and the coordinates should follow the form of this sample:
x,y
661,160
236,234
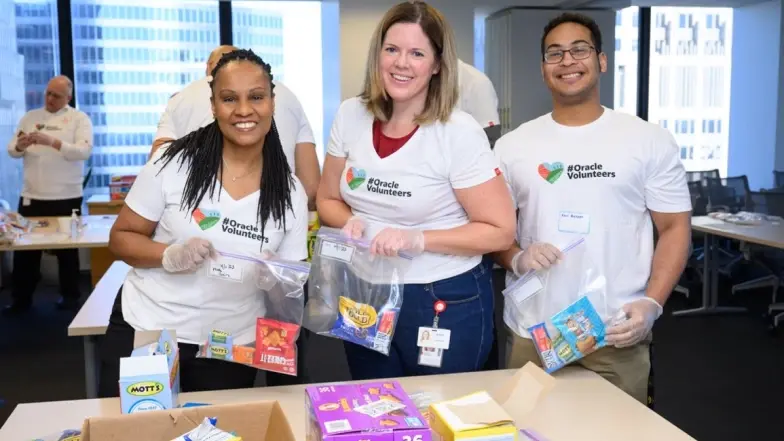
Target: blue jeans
x,y
468,315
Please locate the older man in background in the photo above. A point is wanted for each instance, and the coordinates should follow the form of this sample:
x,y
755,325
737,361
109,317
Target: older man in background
x,y
53,142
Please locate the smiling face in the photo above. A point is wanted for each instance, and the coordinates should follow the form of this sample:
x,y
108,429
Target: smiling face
x,y
575,77
242,103
406,63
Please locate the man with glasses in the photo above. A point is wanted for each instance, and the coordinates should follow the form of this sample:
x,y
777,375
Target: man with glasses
x,y
53,142
586,171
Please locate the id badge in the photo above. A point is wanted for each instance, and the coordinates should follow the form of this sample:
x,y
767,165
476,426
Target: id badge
x,y
226,268
573,222
434,338
431,357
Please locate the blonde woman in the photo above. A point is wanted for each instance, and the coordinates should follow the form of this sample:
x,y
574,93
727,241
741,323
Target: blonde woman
x,y
408,170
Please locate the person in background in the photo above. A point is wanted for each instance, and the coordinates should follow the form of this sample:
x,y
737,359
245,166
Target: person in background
x,y
584,170
234,171
53,143
478,99
189,110
448,206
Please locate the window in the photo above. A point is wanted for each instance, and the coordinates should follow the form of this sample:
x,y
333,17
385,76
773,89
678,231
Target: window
x,y
30,59
265,26
626,58
115,100
693,79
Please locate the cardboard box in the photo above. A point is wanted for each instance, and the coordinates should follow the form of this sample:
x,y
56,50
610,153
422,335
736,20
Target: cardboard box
x,y
377,411
256,421
497,414
472,417
150,377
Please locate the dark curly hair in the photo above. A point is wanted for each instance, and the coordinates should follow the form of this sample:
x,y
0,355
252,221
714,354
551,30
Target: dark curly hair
x,y
202,152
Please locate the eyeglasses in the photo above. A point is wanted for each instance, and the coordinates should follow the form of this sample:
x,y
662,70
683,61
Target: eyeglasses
x,y
577,52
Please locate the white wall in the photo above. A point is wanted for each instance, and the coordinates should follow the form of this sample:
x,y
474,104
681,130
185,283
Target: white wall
x,y
358,20
757,94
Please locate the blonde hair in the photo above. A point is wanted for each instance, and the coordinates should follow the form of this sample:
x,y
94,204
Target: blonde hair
x,y
442,93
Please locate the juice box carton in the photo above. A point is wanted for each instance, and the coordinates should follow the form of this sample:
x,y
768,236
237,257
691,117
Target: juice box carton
x,y
150,377
377,411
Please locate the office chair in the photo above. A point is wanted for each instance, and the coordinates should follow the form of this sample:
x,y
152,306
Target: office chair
x,y
730,194
699,176
699,205
775,205
760,203
778,178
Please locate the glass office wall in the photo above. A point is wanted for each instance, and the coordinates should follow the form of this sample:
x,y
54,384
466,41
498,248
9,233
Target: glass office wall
x,y
130,56
275,31
690,69
627,57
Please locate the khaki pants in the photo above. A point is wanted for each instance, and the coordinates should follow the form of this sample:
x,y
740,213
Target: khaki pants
x,y
626,368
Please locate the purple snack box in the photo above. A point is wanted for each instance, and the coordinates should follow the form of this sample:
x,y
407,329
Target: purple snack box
x,y
331,414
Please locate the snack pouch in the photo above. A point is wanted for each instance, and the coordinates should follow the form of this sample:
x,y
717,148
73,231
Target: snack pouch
x,y
272,346
567,313
65,435
352,295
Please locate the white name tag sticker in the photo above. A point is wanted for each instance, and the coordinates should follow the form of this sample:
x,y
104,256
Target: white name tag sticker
x,y
431,357
526,289
226,269
338,251
434,338
26,202
571,222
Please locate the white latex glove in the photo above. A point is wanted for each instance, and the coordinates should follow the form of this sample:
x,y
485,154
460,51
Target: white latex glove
x,y
537,256
392,240
640,316
355,227
186,256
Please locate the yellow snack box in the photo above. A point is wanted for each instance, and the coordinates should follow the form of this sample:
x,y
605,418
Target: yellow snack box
x,y
472,417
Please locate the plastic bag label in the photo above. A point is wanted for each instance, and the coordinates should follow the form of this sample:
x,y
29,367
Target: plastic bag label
x,y
276,349
528,288
226,268
571,222
361,324
339,251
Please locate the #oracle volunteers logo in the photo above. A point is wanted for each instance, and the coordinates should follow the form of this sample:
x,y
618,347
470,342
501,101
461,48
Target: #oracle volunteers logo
x,y
551,172
206,219
356,177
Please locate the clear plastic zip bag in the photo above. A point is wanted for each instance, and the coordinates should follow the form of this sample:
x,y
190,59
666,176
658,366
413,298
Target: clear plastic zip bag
x,y
353,295
265,336
564,308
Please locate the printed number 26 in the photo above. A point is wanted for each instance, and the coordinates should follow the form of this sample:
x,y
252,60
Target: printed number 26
x,y
412,438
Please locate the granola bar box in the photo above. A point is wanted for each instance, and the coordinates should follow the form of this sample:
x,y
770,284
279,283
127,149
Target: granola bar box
x,y
376,411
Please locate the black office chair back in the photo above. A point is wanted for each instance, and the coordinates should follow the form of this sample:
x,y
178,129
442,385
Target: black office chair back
x,y
730,193
778,178
699,202
759,202
775,203
700,176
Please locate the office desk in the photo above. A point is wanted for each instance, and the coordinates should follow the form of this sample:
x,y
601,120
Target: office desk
x,y
582,406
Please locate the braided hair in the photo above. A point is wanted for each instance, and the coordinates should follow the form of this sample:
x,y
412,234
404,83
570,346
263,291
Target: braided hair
x,y
202,151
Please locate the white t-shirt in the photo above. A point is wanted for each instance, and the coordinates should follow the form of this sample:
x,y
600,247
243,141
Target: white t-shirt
x,y
477,95
414,188
190,109
193,303
608,175
51,174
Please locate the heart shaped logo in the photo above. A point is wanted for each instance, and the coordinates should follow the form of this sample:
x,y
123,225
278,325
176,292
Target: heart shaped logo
x,y
39,126
550,172
355,177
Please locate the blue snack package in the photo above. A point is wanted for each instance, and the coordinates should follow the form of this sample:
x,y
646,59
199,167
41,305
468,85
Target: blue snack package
x,y
555,353
581,327
361,324
220,346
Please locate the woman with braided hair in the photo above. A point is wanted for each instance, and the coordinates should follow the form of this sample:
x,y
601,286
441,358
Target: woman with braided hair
x,y
225,187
